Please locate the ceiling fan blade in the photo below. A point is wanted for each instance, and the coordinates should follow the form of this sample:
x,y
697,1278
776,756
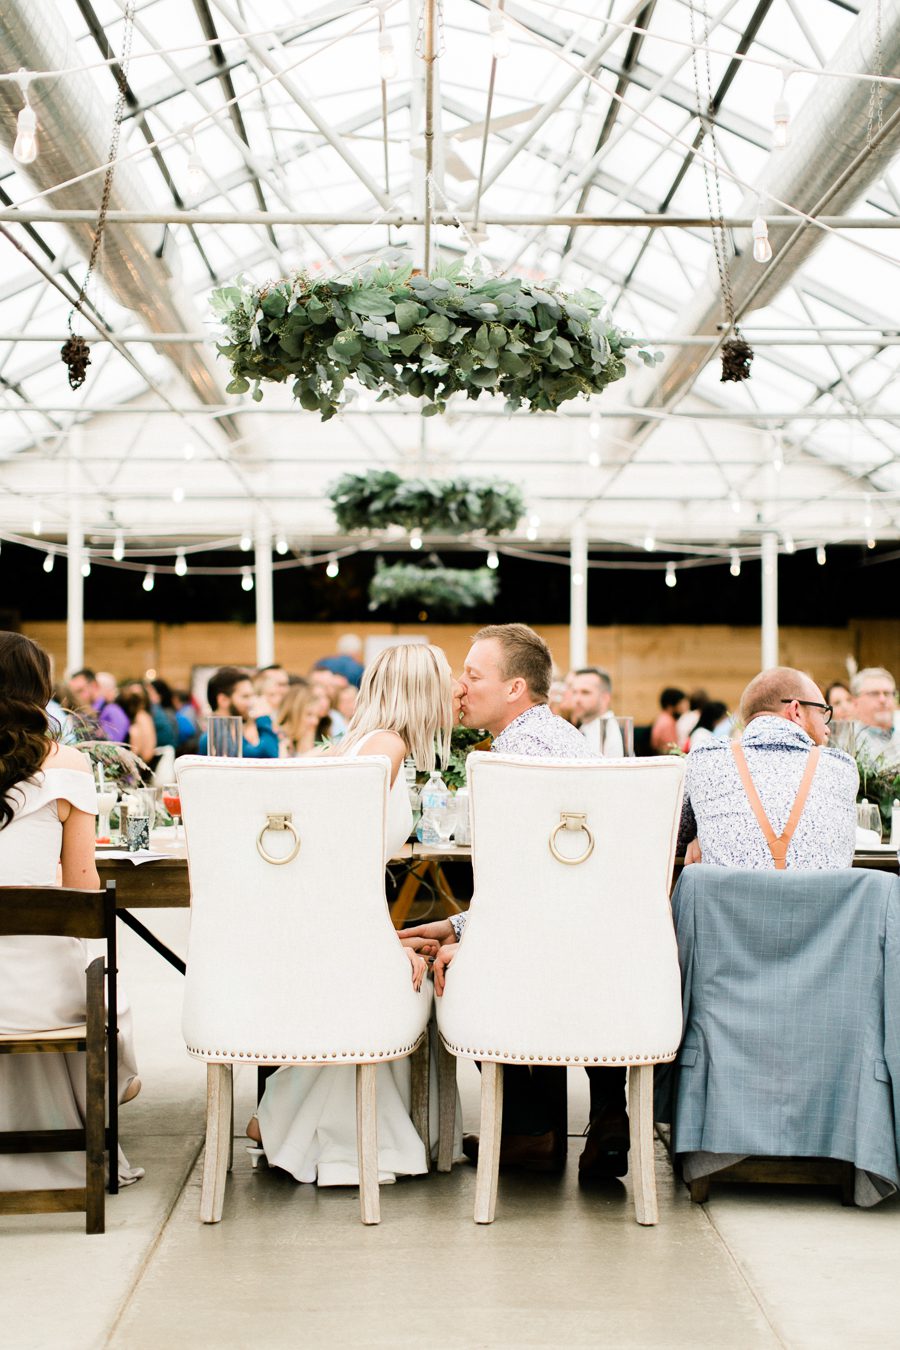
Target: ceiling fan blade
x,y
474,129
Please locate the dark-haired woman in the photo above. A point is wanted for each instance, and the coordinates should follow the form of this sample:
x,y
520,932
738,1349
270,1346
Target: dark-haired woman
x,y
47,808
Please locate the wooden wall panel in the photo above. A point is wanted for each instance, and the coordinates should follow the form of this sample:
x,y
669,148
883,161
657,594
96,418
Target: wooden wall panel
x,y
640,659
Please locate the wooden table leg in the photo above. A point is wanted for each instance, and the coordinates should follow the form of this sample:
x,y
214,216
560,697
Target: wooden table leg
x,y
408,892
445,895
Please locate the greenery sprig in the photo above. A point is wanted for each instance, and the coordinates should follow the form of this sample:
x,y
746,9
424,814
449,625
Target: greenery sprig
x,y
432,336
380,498
444,589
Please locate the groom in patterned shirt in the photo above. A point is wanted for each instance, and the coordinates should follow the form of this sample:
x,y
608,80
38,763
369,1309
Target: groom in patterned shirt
x,y
504,689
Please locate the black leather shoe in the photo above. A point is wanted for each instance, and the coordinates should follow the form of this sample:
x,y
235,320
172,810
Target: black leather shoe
x,y
605,1153
528,1152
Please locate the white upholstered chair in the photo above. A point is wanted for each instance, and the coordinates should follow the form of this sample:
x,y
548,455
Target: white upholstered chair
x,y
569,954
284,856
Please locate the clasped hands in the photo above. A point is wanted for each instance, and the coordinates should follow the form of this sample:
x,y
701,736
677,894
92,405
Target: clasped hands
x,y
430,943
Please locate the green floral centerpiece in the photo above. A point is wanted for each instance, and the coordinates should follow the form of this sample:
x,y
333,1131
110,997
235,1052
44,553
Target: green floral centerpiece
x,y
427,336
463,740
444,589
380,498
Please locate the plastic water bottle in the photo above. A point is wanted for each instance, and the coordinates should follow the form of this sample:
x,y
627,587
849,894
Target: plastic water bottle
x,y
435,808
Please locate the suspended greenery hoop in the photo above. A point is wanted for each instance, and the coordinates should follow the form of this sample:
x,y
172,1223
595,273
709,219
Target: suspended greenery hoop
x,y
381,498
445,590
427,336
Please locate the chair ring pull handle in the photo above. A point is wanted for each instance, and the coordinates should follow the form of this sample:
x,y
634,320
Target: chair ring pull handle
x,y
572,820
278,820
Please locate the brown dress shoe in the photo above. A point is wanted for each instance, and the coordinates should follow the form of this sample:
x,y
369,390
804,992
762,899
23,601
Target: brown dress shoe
x,y
605,1153
528,1152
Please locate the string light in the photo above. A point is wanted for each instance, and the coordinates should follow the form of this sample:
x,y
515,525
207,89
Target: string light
x,y
119,547
492,560
149,581
870,543
86,568
246,542
781,113
48,563
594,426
789,545
180,564
387,57
867,516
188,450
735,503
531,533
26,147
246,579
195,170
577,578
36,525
594,459
820,555
500,44
281,545
333,568
178,495
735,568
762,249
777,451
649,543
415,540
671,578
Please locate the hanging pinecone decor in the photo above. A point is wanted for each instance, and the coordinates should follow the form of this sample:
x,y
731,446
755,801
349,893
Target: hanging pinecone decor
x,y
76,354
736,357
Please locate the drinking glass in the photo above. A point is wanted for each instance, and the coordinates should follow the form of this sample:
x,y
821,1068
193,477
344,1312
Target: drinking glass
x,y
225,736
445,822
171,795
107,796
137,832
626,730
868,817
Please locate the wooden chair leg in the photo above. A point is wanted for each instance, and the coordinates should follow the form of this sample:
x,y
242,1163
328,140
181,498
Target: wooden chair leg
x,y
446,1106
420,1063
643,1163
95,1104
231,1135
698,1190
367,1142
218,1121
489,1141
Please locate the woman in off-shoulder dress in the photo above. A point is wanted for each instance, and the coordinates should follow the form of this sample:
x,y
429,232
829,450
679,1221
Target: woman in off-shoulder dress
x,y
47,808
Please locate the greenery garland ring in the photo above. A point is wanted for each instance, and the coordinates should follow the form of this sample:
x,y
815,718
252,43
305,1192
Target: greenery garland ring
x,y
380,498
431,336
445,589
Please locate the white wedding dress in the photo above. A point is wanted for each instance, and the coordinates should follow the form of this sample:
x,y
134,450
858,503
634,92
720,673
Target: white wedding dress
x,y
307,1117
42,987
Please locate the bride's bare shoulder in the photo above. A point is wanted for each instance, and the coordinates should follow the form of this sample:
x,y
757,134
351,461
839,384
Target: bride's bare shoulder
x,y
66,757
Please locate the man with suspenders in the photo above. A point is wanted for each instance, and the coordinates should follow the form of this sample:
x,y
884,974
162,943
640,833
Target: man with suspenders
x,y
781,796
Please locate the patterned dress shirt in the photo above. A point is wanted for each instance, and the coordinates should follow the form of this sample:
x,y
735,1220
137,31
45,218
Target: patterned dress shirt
x,y
536,732
717,811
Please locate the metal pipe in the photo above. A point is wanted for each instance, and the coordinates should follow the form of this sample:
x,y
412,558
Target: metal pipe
x,y
428,57
74,558
769,597
578,584
755,419
641,221
265,614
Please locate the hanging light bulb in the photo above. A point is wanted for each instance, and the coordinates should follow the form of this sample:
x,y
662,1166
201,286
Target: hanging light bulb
x,y
36,525
870,543
119,547
246,579
735,568
415,540
735,503
333,568
178,495
281,545
867,516
188,450
594,459
649,543
492,560
820,555
180,563
777,451
789,545
26,146
500,44
86,568
246,542
48,563
594,426
577,578
149,580
671,578
762,249
387,57
195,170
531,533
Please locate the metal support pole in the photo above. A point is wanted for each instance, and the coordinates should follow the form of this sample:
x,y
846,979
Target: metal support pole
x,y
265,613
578,559
769,600
75,557
428,57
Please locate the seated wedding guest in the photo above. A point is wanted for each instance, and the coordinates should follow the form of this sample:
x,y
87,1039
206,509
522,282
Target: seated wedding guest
x,y
664,732
187,721
135,704
270,684
711,714
47,808
875,703
346,702
688,720
503,689
113,720
591,695
306,1121
330,685
162,710
303,720
741,797
841,700
346,662
230,694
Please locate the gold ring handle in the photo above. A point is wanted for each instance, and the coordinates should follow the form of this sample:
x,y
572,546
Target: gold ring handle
x,y
278,820
572,820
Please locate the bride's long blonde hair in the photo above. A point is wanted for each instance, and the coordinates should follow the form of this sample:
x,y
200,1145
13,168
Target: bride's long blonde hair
x,y
407,689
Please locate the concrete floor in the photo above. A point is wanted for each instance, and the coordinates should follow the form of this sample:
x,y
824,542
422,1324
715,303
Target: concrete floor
x,y
290,1266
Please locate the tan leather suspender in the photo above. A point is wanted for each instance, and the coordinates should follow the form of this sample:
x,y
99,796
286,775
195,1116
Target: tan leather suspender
x,y
778,843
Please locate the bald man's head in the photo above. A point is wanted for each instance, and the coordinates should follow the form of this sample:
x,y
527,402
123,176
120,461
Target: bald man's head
x,y
785,692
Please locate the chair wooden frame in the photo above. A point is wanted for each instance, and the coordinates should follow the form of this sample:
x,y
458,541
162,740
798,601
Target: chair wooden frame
x,y
54,911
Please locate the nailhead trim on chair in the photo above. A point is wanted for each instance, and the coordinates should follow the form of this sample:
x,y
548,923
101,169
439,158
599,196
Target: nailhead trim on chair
x,y
472,1052
397,1053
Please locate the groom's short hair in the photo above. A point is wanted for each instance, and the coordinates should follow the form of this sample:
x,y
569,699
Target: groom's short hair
x,y
525,656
